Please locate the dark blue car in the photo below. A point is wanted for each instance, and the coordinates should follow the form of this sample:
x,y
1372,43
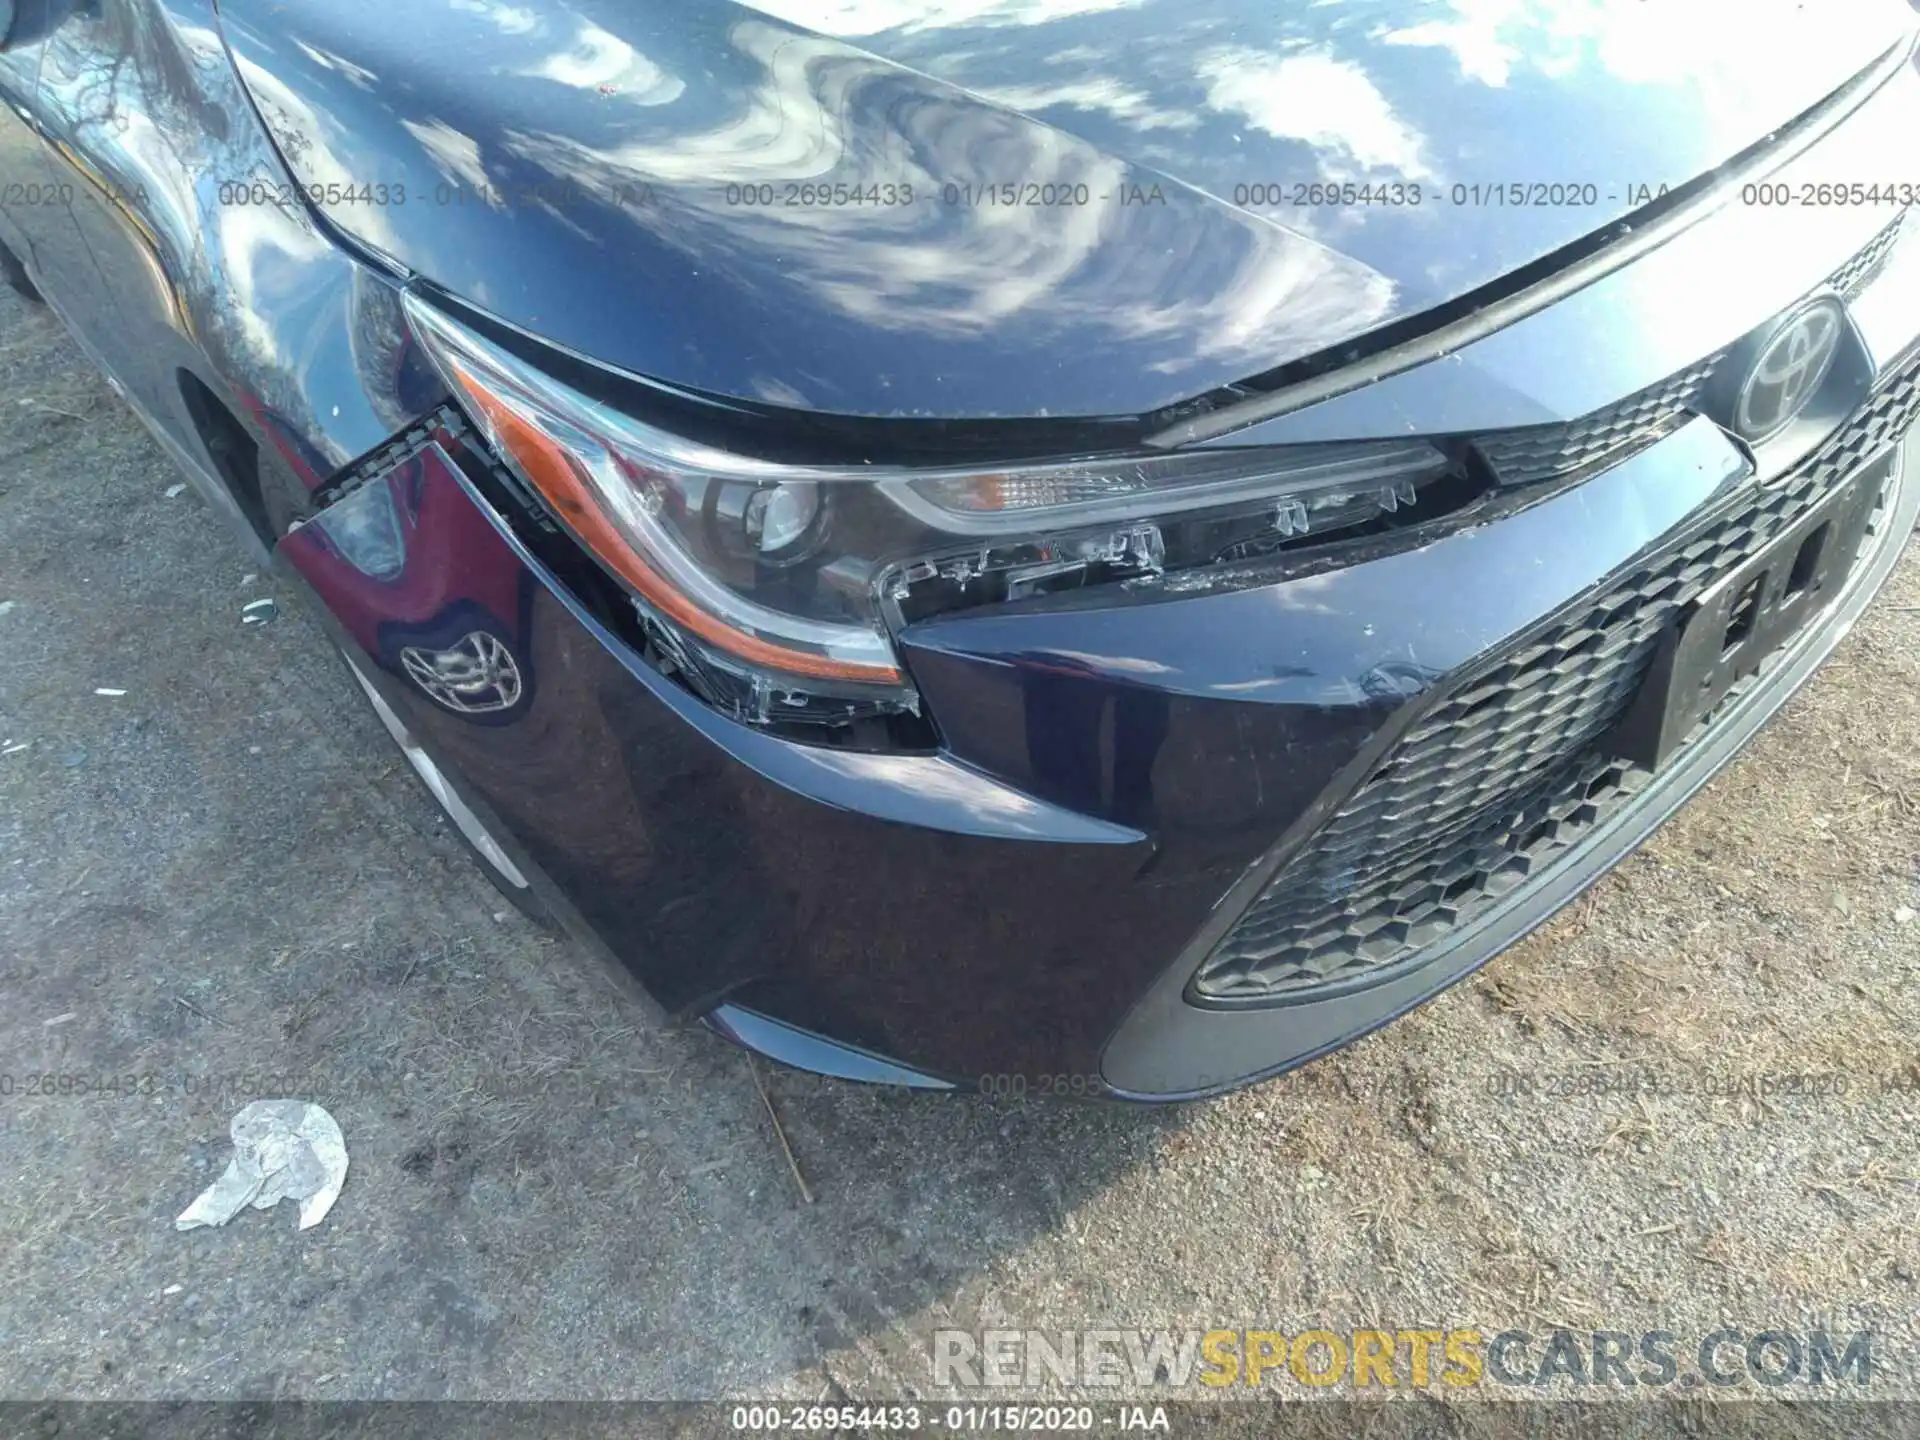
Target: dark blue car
x,y
1102,547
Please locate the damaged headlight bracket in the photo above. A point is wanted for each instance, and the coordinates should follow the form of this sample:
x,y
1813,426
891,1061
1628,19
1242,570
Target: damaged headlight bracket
x,y
776,590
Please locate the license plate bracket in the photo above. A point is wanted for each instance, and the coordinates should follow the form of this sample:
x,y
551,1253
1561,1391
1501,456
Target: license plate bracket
x,y
1727,632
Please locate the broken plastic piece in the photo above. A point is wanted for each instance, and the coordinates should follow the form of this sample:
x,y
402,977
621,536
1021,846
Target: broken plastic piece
x,y
1392,497
259,612
282,1150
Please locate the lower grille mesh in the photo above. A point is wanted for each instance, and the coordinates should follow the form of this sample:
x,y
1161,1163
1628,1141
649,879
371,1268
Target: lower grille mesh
x,y
1504,774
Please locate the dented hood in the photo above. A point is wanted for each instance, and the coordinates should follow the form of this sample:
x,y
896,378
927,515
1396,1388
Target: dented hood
x,y
1006,207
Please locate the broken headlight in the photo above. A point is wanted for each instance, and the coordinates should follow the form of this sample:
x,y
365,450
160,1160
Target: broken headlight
x,y
776,587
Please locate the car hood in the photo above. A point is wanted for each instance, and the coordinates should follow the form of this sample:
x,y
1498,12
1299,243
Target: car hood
x,y
973,208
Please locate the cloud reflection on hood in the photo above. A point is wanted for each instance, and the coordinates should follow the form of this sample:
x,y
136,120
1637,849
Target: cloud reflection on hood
x,y
961,270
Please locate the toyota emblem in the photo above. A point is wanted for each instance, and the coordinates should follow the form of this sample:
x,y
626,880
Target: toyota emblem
x,y
476,676
1789,369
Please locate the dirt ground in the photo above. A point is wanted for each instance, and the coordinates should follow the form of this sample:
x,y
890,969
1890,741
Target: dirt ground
x,y
224,884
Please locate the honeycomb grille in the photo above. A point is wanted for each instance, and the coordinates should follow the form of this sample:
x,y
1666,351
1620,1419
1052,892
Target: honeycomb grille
x,y
1519,457
1860,272
1540,452
1504,774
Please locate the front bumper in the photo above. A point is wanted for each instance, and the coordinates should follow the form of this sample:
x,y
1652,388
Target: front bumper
x,y
1170,1048
1122,780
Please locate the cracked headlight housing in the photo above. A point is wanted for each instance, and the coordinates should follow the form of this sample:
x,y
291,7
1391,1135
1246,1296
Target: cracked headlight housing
x,y
776,588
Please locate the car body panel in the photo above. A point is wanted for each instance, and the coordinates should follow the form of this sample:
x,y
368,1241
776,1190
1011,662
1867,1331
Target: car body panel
x,y
135,113
708,856
1262,691
927,939
1167,1049
589,188
1112,769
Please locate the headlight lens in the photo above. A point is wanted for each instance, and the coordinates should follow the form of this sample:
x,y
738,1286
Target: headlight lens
x,y
775,584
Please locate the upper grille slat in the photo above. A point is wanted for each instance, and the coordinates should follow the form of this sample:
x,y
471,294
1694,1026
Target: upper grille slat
x,y
1864,268
1540,452
1607,436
